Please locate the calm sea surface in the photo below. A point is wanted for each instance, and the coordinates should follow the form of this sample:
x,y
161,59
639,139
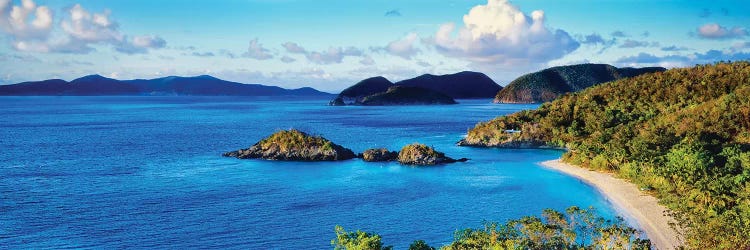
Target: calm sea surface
x,y
147,172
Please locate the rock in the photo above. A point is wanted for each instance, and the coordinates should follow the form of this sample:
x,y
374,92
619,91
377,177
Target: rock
x,y
337,102
422,155
379,154
401,95
294,145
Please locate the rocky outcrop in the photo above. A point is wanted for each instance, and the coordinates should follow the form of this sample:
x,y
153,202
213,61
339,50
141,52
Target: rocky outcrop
x,y
379,154
401,95
294,145
423,155
548,84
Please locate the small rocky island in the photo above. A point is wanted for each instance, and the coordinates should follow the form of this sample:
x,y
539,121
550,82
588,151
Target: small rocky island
x,y
423,155
378,154
294,145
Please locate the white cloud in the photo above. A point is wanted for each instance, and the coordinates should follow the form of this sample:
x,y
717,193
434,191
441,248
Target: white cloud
x,y
367,60
333,55
669,61
86,27
17,21
140,44
499,33
257,51
287,59
630,43
79,30
294,48
716,31
403,47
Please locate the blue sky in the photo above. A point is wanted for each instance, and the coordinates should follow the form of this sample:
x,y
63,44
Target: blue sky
x,y
330,44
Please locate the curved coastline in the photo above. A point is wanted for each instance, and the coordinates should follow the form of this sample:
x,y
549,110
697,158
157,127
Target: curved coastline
x,y
628,200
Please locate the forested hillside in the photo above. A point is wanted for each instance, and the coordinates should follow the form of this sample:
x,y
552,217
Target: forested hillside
x,y
684,134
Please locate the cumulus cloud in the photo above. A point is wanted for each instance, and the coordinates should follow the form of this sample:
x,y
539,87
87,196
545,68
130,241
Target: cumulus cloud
x,y
140,44
27,21
683,60
716,31
294,48
393,13
287,59
333,55
404,47
499,33
618,33
630,43
593,39
203,54
674,48
256,51
741,45
367,60
79,29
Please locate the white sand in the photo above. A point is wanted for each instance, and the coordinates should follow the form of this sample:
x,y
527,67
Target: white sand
x,y
629,201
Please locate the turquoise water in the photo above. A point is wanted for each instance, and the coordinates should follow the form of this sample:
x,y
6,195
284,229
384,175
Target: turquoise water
x,y
147,172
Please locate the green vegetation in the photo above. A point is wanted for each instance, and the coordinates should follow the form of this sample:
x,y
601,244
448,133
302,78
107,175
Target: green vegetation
x,y
548,84
420,154
357,241
683,134
575,229
294,145
379,154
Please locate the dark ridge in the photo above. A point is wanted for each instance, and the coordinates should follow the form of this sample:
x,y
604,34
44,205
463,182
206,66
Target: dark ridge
x,y
461,85
548,84
173,85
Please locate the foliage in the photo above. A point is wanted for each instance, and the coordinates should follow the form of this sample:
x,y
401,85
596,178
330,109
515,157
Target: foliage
x,y
420,245
357,241
575,229
684,133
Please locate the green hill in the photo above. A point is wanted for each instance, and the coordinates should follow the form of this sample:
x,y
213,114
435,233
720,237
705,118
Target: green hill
x,y
548,84
683,133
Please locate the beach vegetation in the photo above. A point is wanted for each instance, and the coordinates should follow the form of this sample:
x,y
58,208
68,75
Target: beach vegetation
x,y
683,133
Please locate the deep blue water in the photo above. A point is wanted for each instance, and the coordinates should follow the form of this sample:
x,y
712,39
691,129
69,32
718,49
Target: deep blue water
x,y
147,172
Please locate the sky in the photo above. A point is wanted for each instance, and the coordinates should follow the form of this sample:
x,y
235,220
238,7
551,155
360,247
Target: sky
x,y
329,45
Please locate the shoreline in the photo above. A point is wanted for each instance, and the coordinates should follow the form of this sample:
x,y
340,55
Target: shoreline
x,y
629,201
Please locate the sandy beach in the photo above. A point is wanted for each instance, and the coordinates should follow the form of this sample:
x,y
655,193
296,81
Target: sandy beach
x,y
629,201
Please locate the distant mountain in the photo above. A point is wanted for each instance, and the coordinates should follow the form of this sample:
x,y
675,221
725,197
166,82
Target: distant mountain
x,y
405,95
548,84
173,85
464,84
461,85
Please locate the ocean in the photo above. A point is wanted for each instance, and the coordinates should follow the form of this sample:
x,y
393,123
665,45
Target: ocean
x,y
147,172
